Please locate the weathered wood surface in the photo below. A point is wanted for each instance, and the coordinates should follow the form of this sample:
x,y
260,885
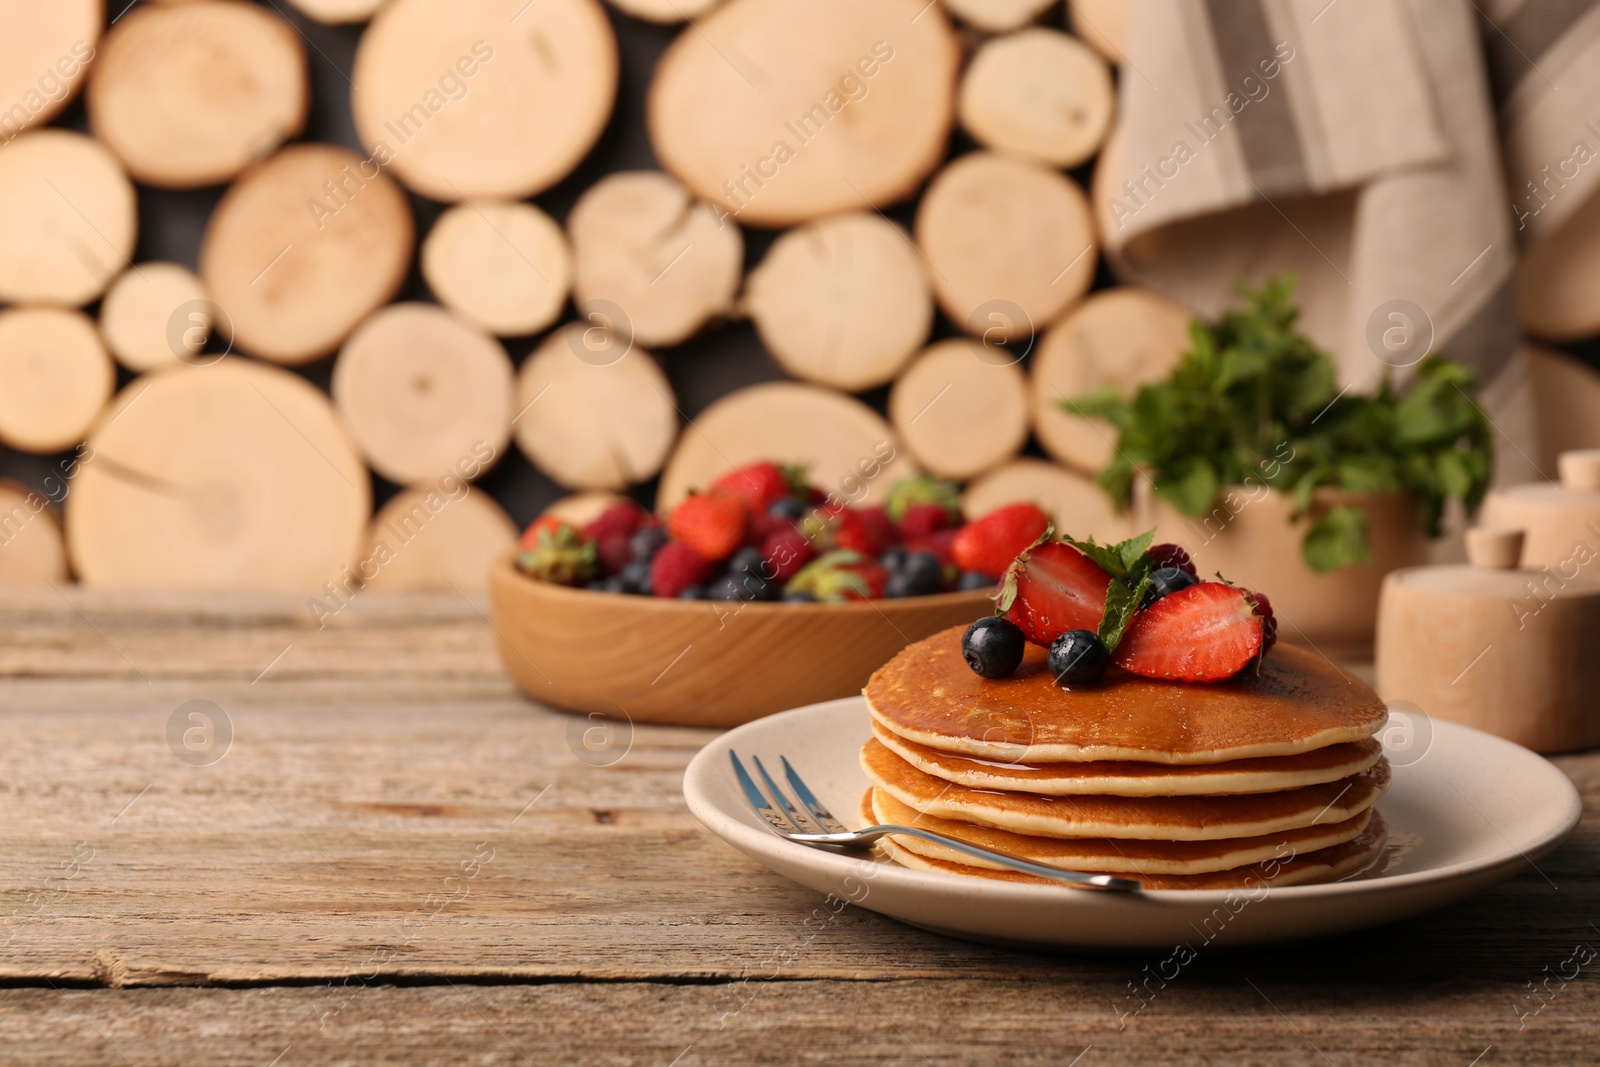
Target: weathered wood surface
x,y
304,897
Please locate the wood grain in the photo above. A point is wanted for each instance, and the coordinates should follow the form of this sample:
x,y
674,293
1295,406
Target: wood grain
x,y
62,245
191,94
781,113
259,907
497,99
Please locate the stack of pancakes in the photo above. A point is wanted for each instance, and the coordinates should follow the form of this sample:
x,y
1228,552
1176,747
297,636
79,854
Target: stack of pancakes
x,y
1267,778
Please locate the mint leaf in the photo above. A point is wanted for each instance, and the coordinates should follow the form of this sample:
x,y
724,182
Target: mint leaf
x,y
1118,560
1337,539
1192,488
1122,604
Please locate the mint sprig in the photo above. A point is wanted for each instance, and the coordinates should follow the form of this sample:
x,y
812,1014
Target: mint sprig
x,y
1129,565
1254,403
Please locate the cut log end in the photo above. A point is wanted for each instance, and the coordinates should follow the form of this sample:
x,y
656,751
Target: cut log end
x,y
425,395
842,301
156,314
1011,244
594,411
160,102
848,450
852,111
55,378
1041,94
67,219
504,266
498,99
436,538
644,247
1125,338
230,477
959,411
303,247
32,551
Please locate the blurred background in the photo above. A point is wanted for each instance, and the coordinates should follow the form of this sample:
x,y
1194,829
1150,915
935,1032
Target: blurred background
x,y
1069,183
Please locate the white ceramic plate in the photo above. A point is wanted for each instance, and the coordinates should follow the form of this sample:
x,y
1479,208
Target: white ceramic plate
x,y
1466,810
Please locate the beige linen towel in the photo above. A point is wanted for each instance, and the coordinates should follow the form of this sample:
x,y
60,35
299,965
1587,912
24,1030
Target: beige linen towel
x,y
1350,141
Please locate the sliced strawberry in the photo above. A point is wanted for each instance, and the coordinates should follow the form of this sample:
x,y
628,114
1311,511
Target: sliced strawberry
x,y
1052,588
1204,633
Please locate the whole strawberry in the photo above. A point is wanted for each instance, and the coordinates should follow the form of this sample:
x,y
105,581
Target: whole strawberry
x,y
920,520
866,530
786,552
840,575
675,568
623,518
554,551
990,544
762,484
712,523
614,549
924,489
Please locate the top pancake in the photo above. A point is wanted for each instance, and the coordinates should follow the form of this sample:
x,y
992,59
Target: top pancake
x,y
1297,702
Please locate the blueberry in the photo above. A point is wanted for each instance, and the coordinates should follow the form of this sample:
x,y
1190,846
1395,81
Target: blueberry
x,y
598,585
692,592
920,575
614,584
747,561
801,597
744,587
993,646
970,580
1166,581
926,569
893,558
1078,658
636,577
647,542
788,508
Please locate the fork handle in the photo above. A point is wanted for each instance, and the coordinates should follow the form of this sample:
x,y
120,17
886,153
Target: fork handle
x,y
872,833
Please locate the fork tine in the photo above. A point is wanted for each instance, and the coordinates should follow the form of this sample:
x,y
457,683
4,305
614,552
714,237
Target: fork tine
x,y
819,814
783,798
758,800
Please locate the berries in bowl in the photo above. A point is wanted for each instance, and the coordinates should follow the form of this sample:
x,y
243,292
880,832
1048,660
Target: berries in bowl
x,y
755,594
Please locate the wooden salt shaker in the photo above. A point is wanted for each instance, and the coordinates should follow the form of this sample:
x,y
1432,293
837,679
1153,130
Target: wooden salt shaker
x,y
1562,519
1502,649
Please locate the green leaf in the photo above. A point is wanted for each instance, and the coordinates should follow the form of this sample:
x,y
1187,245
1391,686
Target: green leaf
x,y
1122,604
1337,539
1125,559
1192,488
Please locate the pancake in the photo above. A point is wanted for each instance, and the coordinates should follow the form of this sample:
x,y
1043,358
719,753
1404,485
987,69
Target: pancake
x,y
1324,865
1127,778
1147,818
1106,854
1296,702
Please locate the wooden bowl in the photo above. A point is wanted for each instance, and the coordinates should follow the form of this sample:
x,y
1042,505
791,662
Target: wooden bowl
x,y
697,662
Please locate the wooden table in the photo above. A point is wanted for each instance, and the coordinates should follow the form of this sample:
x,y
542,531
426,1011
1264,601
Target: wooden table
x,y
397,859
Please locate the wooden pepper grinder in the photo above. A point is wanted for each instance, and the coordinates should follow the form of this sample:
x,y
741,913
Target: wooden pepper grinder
x,y
1561,519
1488,645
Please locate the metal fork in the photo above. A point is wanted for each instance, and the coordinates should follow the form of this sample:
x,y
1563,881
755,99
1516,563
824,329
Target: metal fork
x,y
782,814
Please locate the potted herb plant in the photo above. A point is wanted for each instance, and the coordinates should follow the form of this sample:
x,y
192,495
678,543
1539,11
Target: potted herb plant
x,y
1251,456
